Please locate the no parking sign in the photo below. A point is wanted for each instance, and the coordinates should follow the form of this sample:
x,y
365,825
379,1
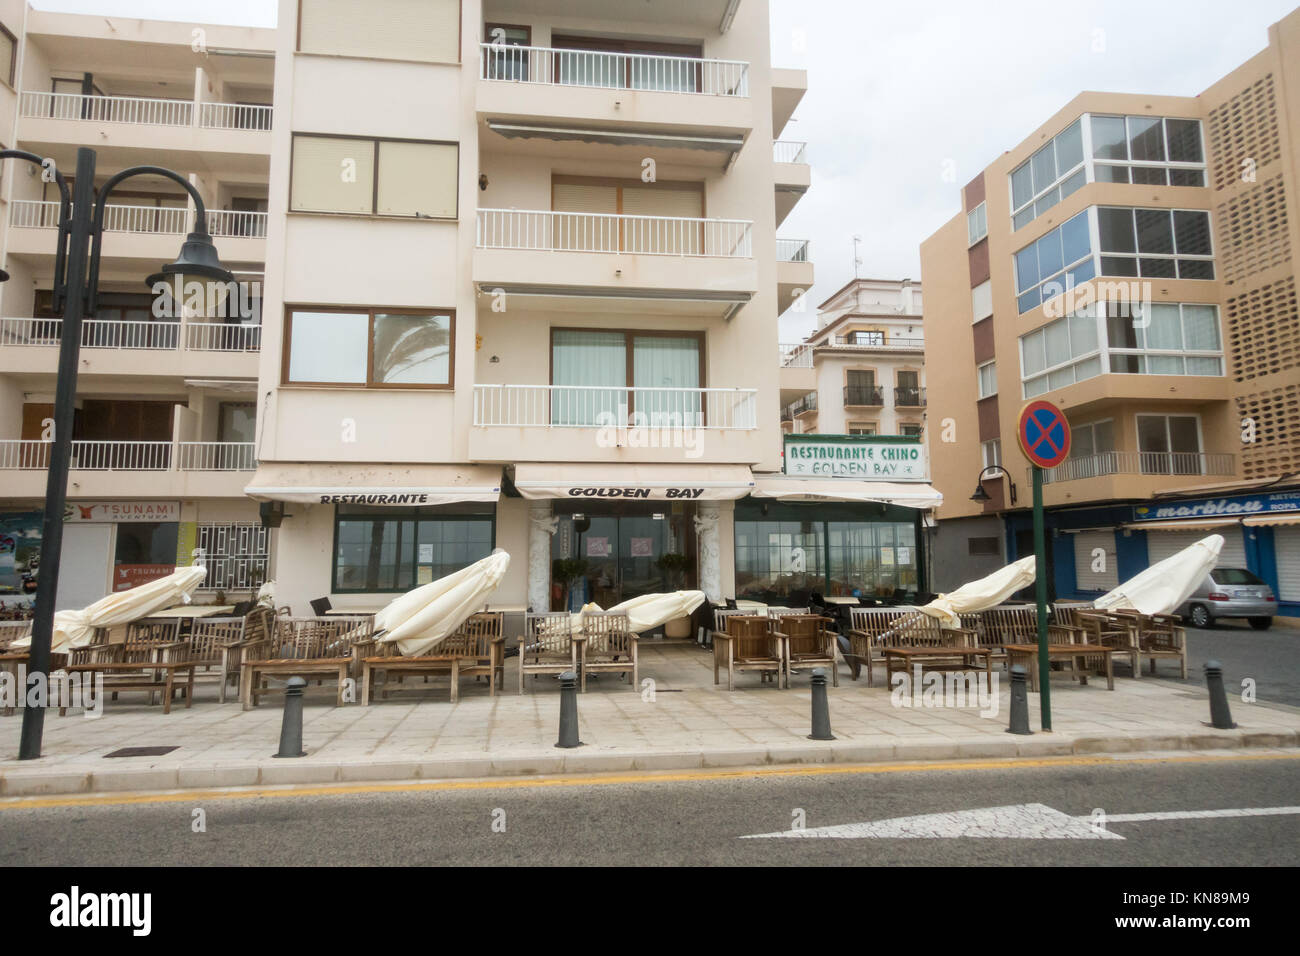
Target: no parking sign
x,y
1044,434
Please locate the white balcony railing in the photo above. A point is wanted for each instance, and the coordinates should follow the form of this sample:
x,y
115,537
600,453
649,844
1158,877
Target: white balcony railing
x,y
595,406
785,151
222,337
128,334
798,355
792,250
143,111
30,331
602,232
234,116
158,220
613,71
1140,463
31,455
131,334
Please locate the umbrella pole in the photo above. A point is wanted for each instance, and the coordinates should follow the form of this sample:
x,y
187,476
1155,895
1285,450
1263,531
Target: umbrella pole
x,y
1040,591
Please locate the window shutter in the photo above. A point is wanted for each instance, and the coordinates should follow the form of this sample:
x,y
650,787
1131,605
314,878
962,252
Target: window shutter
x,y
332,175
417,178
423,30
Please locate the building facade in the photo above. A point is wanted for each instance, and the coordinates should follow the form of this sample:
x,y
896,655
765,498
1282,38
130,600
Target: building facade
x,y
1133,261
163,440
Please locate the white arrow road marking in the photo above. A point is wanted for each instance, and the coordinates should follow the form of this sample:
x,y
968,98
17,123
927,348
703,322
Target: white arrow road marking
x,y
1026,821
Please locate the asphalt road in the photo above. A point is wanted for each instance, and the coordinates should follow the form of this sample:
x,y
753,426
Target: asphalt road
x,y
1271,658
691,819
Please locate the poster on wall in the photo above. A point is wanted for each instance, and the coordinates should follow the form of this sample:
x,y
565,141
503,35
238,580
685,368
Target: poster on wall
x,y
20,555
642,547
598,547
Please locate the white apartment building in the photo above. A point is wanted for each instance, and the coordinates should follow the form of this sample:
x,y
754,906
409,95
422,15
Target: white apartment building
x,y
163,442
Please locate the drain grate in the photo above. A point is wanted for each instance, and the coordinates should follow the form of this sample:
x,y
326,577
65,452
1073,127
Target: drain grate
x,y
141,751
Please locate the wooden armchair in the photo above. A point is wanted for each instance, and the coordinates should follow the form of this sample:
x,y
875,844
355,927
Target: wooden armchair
x,y
476,647
748,645
868,627
218,642
547,646
608,644
1105,630
808,642
308,647
1155,636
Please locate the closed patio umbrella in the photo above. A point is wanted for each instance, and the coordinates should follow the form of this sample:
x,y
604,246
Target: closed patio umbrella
x,y
983,594
420,619
651,610
1163,587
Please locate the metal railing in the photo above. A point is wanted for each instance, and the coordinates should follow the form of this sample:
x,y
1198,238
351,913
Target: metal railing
x,y
234,116
864,395
132,334
30,331
908,396
159,220
595,406
799,406
876,340
129,334
1140,463
222,337
787,151
613,71
603,232
136,110
797,355
236,222
30,455
792,250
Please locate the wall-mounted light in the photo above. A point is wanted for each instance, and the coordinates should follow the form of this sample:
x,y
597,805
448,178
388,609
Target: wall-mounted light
x,y
482,182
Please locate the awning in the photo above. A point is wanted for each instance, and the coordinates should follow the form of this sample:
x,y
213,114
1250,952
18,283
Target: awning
x,y
1258,521
1187,524
622,481
398,486
785,488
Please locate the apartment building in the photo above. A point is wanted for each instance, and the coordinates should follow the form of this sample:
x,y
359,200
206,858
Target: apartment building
x,y
163,440
1134,261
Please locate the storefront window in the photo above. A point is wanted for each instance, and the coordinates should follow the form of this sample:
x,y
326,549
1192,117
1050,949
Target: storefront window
x,y
777,558
387,549
145,550
871,560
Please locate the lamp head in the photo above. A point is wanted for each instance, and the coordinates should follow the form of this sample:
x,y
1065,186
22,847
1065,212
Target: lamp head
x,y
198,258
980,493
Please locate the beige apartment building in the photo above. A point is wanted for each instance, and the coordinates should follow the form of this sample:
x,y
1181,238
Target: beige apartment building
x,y
1134,261
163,442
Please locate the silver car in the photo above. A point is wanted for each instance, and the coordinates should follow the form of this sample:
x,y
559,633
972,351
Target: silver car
x,y
1231,592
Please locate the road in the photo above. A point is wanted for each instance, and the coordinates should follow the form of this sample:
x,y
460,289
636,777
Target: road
x,y
1271,658
684,819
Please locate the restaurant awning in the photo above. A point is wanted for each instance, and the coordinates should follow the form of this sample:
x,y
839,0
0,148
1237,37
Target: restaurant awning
x,y
1257,521
629,482
784,488
1185,524
398,486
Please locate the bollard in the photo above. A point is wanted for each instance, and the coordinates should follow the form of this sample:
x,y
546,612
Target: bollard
x,y
291,722
568,711
821,712
1220,716
1019,702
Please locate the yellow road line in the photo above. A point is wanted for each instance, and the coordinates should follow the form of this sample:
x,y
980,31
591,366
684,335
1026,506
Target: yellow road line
x,y
600,780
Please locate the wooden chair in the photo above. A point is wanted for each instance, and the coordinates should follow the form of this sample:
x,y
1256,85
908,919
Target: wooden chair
x,y
547,645
608,644
748,645
868,625
808,642
218,642
1104,630
476,647
307,647
1155,637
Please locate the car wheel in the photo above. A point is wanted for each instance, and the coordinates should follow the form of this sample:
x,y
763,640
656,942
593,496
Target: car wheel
x,y
1201,616
1261,623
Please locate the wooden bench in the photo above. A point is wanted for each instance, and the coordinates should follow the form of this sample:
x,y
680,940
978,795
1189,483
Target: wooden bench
x,y
307,647
608,645
547,646
217,643
475,648
868,624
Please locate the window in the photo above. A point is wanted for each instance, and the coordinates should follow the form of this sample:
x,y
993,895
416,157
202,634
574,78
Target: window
x,y
1155,243
988,379
1147,150
144,551
1056,262
236,555
862,428
991,452
977,224
981,300
983,547
505,60
1049,176
237,422
396,549
424,30
627,64
658,205
1060,353
872,337
375,348
911,429
1092,447
1170,444
860,388
1175,339
665,372
8,54
340,174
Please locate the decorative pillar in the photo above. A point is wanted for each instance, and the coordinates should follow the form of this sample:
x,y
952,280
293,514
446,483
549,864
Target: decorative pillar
x,y
541,525
706,527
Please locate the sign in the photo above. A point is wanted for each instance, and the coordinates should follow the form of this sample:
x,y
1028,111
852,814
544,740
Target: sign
x,y
127,576
20,553
884,457
642,548
1044,434
426,554
107,511
598,547
1282,502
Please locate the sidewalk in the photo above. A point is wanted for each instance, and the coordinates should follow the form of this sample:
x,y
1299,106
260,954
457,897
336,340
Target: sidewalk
x,y
689,724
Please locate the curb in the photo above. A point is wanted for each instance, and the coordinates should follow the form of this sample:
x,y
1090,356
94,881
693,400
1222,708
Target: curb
x,y
21,782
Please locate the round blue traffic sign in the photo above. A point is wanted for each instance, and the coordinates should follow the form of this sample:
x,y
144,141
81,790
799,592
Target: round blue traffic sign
x,y
1044,434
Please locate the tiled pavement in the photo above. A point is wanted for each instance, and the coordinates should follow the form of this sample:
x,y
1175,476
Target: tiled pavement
x,y
686,723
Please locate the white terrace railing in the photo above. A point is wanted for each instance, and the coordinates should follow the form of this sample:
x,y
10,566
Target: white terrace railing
x,y
162,220
31,455
792,250
785,151
1140,463
796,355
595,406
133,334
602,232
613,71
143,111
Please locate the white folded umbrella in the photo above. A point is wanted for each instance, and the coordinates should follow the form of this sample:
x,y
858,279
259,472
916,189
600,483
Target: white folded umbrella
x,y
983,594
420,619
651,610
1163,587
77,628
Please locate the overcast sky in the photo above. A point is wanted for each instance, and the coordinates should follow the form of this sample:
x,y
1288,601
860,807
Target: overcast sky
x,y
907,101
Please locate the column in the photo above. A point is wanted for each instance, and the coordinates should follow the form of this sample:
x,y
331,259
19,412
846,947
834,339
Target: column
x,y
706,526
541,525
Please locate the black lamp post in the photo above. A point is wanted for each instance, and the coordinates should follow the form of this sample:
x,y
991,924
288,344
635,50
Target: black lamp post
x,y
76,275
981,494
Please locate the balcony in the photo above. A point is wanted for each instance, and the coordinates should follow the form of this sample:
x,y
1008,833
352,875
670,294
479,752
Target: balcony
x,y
792,175
1140,463
906,396
864,396
704,266
800,406
876,341
579,422
133,468
794,272
788,89
795,355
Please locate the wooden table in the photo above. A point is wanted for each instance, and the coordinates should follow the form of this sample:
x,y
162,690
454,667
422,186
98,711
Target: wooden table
x,y
191,611
1027,654
131,675
352,612
906,655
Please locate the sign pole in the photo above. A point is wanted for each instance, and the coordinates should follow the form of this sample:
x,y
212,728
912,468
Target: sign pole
x,y
1040,590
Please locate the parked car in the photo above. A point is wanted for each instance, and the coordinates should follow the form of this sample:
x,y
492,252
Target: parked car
x,y
1231,592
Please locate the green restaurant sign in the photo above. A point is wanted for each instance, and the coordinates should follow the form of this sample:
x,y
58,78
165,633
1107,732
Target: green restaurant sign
x,y
871,457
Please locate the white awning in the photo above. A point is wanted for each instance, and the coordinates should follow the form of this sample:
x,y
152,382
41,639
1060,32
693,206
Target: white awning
x,y
785,488
394,486
628,482
1279,519
1187,524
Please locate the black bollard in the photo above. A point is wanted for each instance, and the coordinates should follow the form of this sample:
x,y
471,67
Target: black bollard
x,y
291,722
1220,716
568,711
821,711
1019,702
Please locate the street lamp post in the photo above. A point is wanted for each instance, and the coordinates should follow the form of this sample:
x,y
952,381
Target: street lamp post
x,y
981,494
76,276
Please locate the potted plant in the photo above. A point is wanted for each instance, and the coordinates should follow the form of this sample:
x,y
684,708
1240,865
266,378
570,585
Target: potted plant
x,y
675,568
564,571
